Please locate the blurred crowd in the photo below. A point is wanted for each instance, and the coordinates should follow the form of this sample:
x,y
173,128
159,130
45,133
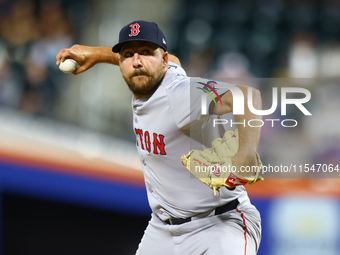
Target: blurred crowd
x,y
31,33
268,38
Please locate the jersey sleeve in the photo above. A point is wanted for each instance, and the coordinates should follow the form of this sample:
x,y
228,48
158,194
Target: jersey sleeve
x,y
177,69
189,100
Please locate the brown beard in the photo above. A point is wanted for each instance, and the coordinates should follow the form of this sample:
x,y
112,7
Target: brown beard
x,y
148,88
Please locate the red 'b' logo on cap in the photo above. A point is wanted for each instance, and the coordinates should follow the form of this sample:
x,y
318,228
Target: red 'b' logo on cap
x,y
134,29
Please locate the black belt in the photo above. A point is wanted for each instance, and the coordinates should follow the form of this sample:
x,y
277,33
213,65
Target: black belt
x,y
219,210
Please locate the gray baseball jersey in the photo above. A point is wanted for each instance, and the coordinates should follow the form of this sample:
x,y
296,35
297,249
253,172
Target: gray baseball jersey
x,y
164,124
161,123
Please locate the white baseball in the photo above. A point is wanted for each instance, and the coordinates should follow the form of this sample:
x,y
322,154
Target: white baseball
x,y
68,66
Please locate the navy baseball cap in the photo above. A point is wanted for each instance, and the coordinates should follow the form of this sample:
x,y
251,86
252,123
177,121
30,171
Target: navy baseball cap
x,y
140,30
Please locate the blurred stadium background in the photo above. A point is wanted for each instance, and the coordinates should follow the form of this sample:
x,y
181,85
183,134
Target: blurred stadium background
x,y
70,180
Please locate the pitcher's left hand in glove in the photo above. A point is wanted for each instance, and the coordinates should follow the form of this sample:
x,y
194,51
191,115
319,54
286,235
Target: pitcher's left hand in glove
x,y
213,166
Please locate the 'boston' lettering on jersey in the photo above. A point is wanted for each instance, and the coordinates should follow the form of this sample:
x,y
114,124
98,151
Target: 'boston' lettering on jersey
x,y
144,142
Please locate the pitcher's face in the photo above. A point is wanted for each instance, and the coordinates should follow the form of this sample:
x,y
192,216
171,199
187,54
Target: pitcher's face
x,y
143,66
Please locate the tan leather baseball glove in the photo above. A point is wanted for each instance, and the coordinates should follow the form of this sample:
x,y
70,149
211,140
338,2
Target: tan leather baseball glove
x,y
213,166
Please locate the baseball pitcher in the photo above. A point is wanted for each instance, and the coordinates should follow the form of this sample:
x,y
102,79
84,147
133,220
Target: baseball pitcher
x,y
197,194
